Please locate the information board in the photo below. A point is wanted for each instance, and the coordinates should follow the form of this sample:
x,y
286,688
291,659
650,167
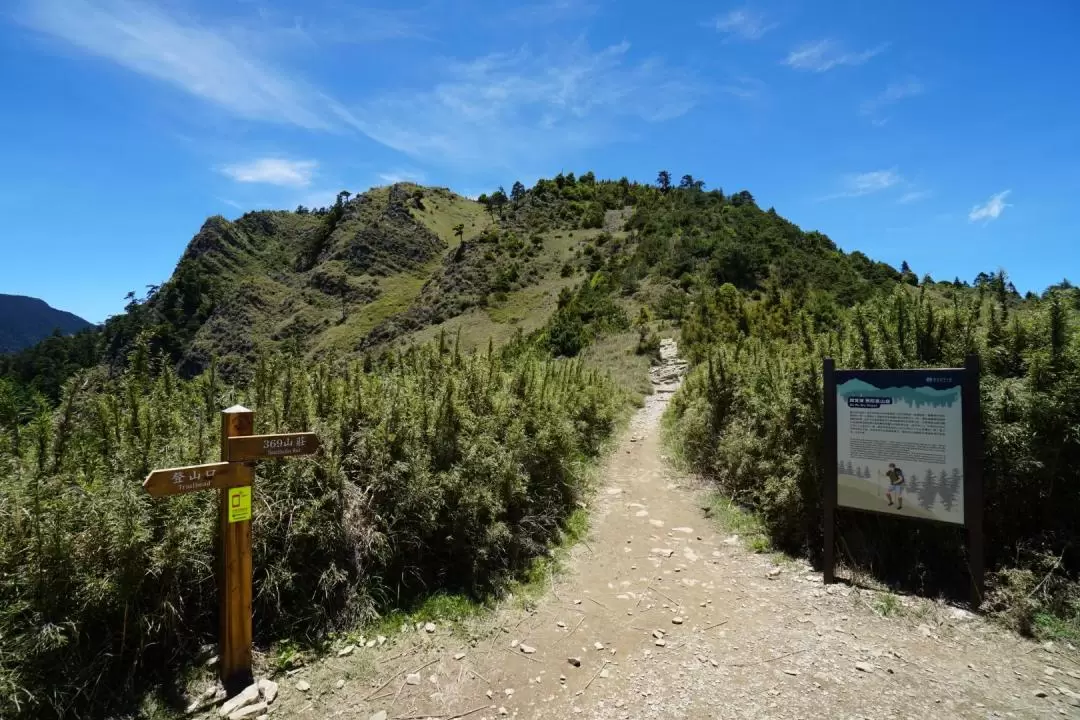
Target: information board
x,y
908,444
900,442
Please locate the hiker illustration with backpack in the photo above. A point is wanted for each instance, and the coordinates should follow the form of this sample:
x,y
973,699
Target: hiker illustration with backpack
x,y
896,486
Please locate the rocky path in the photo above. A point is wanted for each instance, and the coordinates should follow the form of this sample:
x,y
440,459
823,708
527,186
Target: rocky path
x,y
664,614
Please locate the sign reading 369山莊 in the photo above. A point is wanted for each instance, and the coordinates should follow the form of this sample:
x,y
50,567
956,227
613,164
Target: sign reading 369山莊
x,y
900,442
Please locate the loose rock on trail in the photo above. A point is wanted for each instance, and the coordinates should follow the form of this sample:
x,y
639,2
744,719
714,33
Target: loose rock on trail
x,y
662,613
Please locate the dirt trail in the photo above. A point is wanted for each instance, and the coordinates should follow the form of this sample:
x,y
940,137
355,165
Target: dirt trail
x,y
672,617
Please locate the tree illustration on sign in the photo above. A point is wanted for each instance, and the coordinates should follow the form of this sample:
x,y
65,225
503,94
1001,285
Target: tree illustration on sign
x,y
950,488
927,492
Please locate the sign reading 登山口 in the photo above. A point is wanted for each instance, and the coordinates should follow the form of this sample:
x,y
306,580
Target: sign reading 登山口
x,y
172,481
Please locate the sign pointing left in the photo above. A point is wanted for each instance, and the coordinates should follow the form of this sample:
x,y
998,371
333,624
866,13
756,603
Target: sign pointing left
x,y
172,481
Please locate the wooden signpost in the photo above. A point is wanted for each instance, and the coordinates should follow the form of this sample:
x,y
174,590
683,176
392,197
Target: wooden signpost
x,y
233,478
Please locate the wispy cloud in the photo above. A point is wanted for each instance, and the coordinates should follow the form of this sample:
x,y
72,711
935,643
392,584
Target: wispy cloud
x,y
744,87
894,93
991,209
509,110
273,171
913,196
547,12
826,54
867,183
205,62
743,23
395,176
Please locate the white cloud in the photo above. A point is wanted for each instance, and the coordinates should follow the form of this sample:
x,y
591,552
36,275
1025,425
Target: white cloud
x,y
395,176
892,94
991,209
273,171
867,183
826,55
913,196
743,23
198,60
509,110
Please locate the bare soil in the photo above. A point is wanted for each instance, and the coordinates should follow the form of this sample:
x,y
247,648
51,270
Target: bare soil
x,y
671,616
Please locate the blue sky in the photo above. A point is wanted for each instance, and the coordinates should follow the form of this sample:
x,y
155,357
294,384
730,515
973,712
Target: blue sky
x,y
944,134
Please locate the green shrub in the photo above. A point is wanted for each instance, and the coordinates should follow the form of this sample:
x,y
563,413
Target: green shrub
x,y
439,472
749,417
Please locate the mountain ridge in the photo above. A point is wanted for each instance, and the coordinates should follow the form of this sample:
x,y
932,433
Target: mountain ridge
x,y
26,321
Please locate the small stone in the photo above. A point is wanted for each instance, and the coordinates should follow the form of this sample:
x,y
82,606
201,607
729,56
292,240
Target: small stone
x,y
864,667
347,650
370,643
433,679
303,686
269,690
598,645
714,663
663,552
1040,693
245,697
560,624
503,711
509,692
459,656
774,572
340,684
381,715
575,661
527,649
677,620
562,678
658,634
577,602
429,627
490,694
604,673
791,672
412,679
250,711
380,639
514,644
660,643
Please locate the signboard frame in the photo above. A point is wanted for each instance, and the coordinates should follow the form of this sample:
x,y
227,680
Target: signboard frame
x,y
972,467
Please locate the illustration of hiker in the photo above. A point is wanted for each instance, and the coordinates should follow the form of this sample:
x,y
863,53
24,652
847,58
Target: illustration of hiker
x,y
896,486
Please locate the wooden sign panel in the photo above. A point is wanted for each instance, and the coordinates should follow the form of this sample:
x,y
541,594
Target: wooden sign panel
x,y
173,481
261,447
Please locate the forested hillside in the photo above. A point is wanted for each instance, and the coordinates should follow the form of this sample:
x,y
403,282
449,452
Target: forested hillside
x,y
454,355
25,321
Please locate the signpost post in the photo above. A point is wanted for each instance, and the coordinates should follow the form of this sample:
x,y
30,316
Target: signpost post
x,y
233,478
919,432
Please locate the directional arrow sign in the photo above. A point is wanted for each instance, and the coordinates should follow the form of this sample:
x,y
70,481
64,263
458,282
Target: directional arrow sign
x,y
260,447
173,481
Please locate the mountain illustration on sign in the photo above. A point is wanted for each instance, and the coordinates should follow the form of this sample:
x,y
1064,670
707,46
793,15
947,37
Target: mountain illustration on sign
x,y
913,396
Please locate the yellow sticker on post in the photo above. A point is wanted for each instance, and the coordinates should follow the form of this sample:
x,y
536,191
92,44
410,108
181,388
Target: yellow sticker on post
x,y
239,504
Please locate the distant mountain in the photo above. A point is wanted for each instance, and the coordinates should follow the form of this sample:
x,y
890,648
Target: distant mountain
x,y
25,321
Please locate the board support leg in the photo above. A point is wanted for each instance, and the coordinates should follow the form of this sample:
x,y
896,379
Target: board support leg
x,y
828,467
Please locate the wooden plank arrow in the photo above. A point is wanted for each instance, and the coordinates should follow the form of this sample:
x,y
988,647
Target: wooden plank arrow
x,y
172,481
245,448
